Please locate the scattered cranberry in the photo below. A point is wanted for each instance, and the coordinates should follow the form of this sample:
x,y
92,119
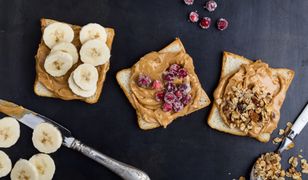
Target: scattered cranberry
x,y
159,96
168,76
186,99
178,94
189,2
185,88
167,107
157,84
205,22
210,5
193,16
222,24
144,81
177,106
170,87
182,73
169,97
174,68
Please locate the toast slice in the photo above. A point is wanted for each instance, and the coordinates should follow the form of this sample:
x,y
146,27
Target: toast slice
x,y
41,90
123,78
231,63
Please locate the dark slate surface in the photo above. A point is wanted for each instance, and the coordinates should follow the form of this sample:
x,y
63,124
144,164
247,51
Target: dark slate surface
x,y
275,31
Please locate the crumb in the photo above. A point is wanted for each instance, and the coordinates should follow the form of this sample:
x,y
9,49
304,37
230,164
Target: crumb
x,y
242,178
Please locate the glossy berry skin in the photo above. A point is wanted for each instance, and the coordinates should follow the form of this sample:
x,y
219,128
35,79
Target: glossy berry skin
x,y
222,24
193,17
167,107
210,5
205,22
144,81
159,96
157,84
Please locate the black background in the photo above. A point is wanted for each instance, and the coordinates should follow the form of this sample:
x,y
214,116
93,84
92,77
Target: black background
x,y
275,31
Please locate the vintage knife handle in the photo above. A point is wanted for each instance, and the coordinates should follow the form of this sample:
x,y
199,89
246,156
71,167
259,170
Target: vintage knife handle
x,y
125,171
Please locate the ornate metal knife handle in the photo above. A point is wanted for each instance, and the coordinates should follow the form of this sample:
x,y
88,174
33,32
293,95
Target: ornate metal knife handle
x,y
125,171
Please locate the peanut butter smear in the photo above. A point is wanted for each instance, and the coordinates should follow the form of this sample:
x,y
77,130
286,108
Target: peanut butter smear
x,y
11,109
153,65
250,99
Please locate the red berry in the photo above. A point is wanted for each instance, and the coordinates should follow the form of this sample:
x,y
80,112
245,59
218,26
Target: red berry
x,y
193,16
170,87
185,88
177,106
205,22
189,2
210,5
222,24
178,94
169,97
186,99
157,84
167,76
182,73
144,81
174,68
159,96
167,107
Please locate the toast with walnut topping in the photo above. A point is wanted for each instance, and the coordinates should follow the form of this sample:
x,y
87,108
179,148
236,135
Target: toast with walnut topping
x,y
123,78
231,63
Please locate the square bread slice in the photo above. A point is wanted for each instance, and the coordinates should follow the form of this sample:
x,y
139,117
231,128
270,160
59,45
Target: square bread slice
x,y
231,63
123,78
43,91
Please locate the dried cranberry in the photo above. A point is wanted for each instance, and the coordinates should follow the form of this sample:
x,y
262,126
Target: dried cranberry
x,y
193,16
157,84
186,99
222,24
174,68
144,81
184,88
189,2
169,97
167,107
159,96
182,73
178,94
177,106
210,5
167,76
170,87
205,22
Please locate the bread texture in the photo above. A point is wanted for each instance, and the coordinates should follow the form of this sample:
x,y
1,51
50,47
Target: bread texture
x,y
41,90
123,78
231,63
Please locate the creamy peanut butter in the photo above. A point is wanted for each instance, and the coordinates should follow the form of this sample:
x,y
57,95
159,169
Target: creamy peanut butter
x,y
263,92
59,85
153,65
11,109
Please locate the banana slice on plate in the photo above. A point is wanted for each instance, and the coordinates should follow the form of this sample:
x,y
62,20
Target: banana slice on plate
x,y
24,170
9,132
58,63
94,52
46,138
86,76
92,31
57,32
5,164
67,48
45,166
77,90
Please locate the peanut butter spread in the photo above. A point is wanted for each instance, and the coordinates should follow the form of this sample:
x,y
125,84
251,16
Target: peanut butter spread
x,y
154,65
11,109
59,85
250,99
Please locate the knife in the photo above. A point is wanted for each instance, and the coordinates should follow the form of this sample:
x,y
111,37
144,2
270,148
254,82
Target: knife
x,y
32,119
297,127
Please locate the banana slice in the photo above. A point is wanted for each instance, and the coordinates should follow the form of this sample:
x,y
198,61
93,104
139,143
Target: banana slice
x,y
9,132
94,52
68,48
45,166
58,63
57,32
5,164
77,90
24,170
86,76
92,31
46,138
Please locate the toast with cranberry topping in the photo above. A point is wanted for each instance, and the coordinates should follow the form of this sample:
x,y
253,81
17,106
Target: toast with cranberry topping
x,y
231,63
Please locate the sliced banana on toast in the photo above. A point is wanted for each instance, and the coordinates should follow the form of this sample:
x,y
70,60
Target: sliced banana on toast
x,y
45,166
57,32
46,138
58,63
5,164
77,90
24,170
92,31
86,76
9,132
67,48
94,52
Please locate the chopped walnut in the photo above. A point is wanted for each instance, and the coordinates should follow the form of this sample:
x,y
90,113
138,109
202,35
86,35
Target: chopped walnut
x,y
281,132
293,161
304,166
268,167
277,140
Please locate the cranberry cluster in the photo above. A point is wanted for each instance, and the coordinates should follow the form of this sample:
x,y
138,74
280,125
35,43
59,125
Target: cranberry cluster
x,y
205,22
173,96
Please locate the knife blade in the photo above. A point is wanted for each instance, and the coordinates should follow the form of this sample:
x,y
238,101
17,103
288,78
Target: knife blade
x,y
32,119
